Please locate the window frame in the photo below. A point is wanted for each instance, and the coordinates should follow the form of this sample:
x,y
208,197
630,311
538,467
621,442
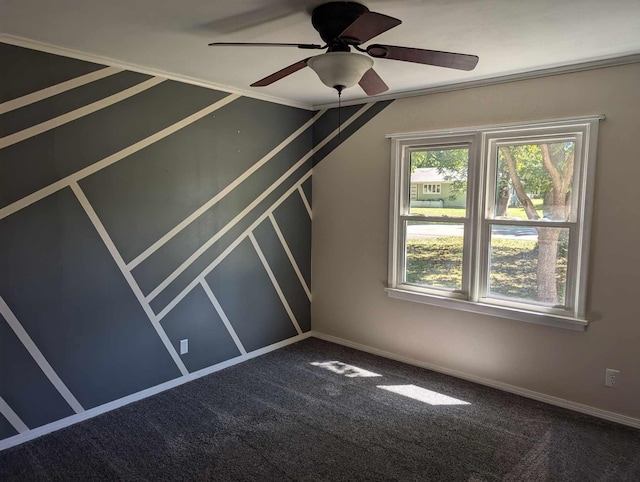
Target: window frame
x,y
483,143
435,143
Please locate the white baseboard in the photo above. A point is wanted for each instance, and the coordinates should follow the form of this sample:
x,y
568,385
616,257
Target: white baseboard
x,y
560,402
134,397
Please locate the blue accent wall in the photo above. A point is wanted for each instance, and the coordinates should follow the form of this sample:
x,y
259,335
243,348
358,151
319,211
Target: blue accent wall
x,y
118,238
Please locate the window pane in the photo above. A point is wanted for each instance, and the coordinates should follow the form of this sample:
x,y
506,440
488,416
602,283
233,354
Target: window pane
x,y
529,263
433,254
534,181
438,184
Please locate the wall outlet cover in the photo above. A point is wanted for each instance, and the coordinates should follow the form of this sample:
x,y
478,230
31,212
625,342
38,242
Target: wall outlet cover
x,y
184,346
610,376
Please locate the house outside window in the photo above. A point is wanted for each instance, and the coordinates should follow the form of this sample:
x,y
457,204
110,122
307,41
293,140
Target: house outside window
x,y
507,233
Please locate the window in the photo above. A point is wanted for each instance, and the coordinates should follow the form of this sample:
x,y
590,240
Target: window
x,y
510,236
431,189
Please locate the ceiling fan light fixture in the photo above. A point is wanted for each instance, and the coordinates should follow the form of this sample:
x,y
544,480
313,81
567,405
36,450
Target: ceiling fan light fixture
x,y
340,70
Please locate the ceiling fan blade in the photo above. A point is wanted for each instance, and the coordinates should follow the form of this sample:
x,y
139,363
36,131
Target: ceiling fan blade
x,y
367,26
265,44
429,57
281,74
372,84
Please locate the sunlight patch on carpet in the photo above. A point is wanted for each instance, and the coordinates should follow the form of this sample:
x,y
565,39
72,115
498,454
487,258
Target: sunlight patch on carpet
x,y
344,369
423,395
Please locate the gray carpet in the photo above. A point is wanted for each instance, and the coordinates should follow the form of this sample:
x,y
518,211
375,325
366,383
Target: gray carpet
x,y
282,417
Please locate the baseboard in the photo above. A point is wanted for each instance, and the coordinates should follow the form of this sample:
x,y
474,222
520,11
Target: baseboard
x,y
134,397
560,402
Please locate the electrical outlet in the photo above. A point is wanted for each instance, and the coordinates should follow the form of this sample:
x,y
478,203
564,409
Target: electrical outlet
x,y
610,377
184,346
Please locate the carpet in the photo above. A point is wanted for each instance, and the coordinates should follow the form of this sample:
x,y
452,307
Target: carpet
x,y
319,411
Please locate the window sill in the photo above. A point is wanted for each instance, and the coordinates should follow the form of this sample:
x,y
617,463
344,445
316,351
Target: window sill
x,y
547,319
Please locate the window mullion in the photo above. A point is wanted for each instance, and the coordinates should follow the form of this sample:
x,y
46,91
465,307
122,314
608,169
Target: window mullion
x,y
476,205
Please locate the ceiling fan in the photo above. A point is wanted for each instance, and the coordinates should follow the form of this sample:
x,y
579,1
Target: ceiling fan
x,y
346,25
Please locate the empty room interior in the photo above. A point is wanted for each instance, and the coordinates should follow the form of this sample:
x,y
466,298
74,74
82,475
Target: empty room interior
x,y
279,240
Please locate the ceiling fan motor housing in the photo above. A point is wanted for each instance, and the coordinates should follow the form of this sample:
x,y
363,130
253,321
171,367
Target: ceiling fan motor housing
x,y
331,19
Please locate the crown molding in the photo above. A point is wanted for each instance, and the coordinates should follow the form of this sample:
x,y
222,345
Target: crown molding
x,y
501,79
107,61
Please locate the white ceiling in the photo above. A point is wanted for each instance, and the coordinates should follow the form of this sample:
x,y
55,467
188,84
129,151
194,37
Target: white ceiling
x,y
509,36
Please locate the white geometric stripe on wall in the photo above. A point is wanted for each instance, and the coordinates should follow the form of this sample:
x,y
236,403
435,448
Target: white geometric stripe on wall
x,y
223,316
306,202
56,89
38,357
78,113
287,250
275,283
12,417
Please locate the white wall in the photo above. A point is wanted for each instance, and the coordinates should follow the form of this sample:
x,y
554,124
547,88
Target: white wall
x,y
350,231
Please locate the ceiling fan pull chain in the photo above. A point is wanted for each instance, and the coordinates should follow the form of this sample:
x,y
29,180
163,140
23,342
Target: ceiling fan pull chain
x,y
339,120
